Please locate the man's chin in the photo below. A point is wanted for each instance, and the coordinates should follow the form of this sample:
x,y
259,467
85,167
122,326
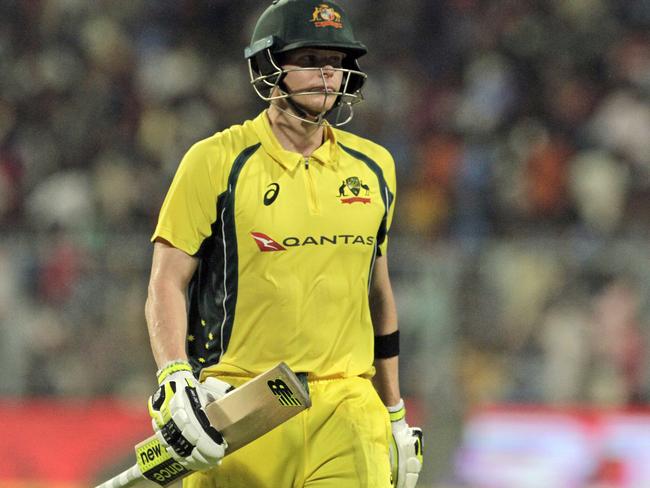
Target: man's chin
x,y
316,108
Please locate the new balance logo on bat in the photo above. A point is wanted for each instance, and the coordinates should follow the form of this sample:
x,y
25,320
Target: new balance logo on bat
x,y
283,392
151,454
156,464
167,472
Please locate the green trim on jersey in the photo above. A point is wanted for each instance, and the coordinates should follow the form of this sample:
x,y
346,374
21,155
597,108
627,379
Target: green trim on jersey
x,y
387,198
386,195
212,292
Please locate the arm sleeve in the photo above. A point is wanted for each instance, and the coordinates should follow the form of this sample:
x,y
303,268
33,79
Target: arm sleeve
x,y
190,207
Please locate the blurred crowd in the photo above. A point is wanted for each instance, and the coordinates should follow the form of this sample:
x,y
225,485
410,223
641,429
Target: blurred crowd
x,y
504,116
521,131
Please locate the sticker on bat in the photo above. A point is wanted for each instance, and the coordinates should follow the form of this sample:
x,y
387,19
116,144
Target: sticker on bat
x,y
284,394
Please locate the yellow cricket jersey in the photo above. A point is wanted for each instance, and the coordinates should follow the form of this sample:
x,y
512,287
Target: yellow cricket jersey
x,y
286,246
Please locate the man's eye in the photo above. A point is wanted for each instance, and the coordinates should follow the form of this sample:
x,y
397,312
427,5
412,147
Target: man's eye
x,y
313,61
307,61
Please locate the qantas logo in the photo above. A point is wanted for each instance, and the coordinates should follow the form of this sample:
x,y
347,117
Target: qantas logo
x,y
267,244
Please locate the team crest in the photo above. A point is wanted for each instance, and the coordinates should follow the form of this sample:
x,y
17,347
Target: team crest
x,y
357,188
326,16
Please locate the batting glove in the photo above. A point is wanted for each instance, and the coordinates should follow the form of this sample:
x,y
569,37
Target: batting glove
x,y
179,419
405,449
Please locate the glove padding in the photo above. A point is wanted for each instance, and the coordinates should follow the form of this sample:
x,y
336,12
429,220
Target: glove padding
x,y
179,419
405,449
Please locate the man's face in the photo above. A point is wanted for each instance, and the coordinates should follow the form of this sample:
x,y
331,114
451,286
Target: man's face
x,y
322,82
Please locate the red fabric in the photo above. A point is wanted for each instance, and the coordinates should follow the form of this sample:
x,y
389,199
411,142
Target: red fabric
x,y
67,441
59,441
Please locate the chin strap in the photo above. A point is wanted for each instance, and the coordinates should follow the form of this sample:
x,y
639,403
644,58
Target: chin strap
x,y
300,112
304,114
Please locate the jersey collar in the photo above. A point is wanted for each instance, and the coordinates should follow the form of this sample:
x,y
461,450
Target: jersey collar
x,y
327,154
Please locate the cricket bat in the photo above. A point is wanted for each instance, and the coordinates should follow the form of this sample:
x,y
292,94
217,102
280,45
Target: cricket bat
x,y
242,415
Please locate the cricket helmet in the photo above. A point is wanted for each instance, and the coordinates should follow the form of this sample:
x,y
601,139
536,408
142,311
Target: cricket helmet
x,y
292,24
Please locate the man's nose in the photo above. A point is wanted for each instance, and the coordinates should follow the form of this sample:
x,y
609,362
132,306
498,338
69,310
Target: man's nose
x,y
328,70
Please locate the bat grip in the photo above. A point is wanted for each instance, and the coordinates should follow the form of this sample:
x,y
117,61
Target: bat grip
x,y
126,478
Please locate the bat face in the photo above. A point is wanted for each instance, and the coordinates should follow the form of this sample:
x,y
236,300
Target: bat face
x,y
258,406
243,415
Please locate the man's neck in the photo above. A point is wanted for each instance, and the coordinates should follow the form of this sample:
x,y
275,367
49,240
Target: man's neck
x,y
293,134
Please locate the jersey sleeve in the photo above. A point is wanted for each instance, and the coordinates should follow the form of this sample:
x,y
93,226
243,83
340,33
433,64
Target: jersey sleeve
x,y
190,207
389,176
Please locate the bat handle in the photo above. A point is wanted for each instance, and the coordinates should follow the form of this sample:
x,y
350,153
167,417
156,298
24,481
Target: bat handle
x,y
126,478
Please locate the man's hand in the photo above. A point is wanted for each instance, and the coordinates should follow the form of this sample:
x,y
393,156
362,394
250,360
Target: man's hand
x,y
405,449
179,419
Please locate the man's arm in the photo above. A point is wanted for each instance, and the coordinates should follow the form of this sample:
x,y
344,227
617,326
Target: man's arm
x,y
384,319
166,306
177,408
406,445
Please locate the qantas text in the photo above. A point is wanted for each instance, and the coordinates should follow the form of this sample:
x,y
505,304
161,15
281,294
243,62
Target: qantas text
x,y
323,240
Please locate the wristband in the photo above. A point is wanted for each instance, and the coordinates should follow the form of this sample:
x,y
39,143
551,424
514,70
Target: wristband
x,y
172,367
397,412
387,346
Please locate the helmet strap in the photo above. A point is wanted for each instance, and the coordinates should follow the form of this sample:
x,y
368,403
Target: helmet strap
x,y
300,112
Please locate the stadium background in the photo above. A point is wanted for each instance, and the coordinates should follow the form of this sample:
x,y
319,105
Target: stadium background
x,y
519,251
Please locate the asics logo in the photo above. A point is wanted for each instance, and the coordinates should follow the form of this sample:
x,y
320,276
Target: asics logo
x,y
271,194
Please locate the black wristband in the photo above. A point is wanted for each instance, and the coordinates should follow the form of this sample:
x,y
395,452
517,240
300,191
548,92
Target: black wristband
x,y
387,346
